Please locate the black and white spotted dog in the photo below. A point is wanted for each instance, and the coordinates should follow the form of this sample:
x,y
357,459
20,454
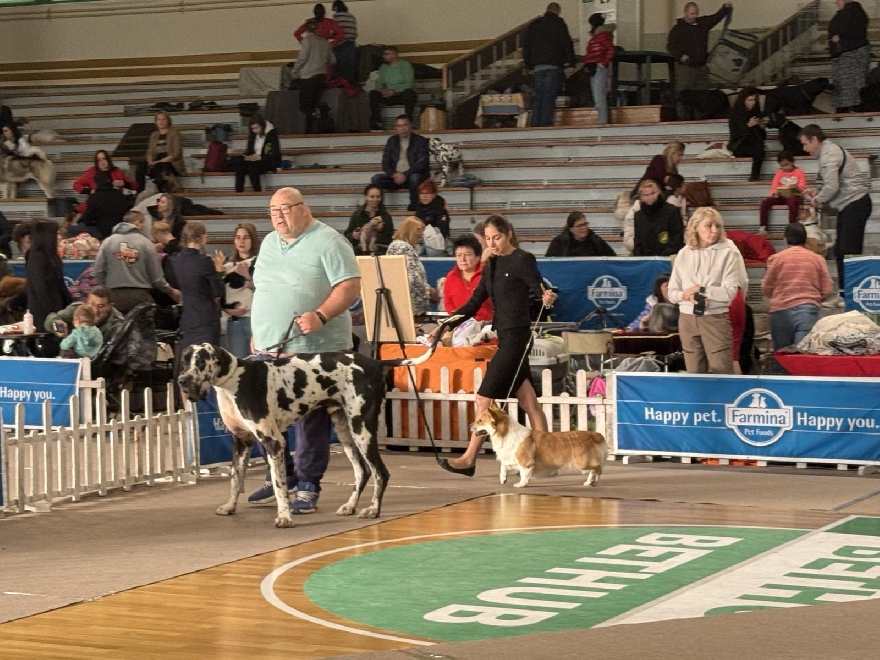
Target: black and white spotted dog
x,y
259,400
449,157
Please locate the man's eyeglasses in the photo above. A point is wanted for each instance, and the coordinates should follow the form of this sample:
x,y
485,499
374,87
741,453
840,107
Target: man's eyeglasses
x,y
286,209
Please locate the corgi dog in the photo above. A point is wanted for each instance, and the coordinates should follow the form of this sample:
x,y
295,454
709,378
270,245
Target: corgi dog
x,y
521,448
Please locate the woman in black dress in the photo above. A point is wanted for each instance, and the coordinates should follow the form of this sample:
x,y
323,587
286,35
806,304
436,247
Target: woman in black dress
x,y
510,279
200,280
45,287
747,132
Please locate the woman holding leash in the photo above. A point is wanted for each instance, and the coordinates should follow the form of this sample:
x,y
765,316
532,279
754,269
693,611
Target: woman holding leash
x,y
510,277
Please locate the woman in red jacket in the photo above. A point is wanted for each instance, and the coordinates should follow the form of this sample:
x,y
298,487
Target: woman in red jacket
x,y
600,52
102,168
464,277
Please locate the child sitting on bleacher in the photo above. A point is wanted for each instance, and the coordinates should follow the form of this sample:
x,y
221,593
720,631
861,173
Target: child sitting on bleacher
x,y
85,340
785,190
675,184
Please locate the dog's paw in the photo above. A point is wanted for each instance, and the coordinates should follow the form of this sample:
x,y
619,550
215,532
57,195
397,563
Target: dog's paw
x,y
345,510
369,512
521,484
284,521
226,510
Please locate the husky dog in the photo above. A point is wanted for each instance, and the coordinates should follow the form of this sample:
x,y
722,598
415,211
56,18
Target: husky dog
x,y
15,170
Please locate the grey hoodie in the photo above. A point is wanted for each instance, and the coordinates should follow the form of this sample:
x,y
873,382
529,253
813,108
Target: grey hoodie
x,y
840,187
128,259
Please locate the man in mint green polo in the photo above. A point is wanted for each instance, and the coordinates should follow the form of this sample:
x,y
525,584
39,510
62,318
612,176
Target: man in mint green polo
x,y
395,85
306,270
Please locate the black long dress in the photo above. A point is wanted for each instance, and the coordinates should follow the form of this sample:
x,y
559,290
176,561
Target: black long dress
x,y
201,287
511,282
45,287
747,141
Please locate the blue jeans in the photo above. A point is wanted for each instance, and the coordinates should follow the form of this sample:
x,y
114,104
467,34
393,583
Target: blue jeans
x,y
238,336
544,101
385,182
599,87
789,326
346,60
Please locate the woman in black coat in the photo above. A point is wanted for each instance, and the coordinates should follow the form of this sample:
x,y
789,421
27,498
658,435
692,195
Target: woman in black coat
x,y
45,287
263,154
200,281
576,240
747,133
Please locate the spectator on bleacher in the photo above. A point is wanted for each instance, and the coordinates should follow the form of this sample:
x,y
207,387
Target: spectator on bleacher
x,y
15,144
163,160
200,280
21,236
706,275
664,165
786,188
433,212
657,227
796,282
463,278
326,28
659,294
407,237
85,339
45,288
404,162
238,279
479,232
547,50
851,52
688,43
169,209
309,72
372,208
100,301
6,118
516,281
263,154
675,186
128,264
106,204
576,240
747,132
5,236
395,84
843,187
600,52
346,50
163,238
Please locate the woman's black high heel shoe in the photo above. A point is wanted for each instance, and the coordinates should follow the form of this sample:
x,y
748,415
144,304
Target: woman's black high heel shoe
x,y
468,472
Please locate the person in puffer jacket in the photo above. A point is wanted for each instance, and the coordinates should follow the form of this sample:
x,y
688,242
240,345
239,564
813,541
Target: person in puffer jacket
x,y
706,276
600,52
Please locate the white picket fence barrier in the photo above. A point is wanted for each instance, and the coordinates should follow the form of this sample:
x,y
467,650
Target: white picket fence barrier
x,y
448,414
41,467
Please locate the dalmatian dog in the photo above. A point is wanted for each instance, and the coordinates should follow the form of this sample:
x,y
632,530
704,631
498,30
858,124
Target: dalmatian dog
x,y
259,400
449,157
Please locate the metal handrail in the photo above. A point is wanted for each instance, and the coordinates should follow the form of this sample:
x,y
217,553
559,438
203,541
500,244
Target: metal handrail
x,y
781,36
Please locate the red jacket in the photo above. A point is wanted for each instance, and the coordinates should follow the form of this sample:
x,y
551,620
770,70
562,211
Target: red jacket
x,y
87,180
456,292
600,48
327,29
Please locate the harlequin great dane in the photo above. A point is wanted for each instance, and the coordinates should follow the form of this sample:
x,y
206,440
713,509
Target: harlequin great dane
x,y
259,400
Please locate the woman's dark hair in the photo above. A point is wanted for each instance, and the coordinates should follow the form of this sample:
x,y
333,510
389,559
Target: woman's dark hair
x,y
467,241
596,21
257,118
339,6
110,165
795,233
572,219
320,12
44,238
14,129
785,155
744,93
500,223
662,279
370,187
674,182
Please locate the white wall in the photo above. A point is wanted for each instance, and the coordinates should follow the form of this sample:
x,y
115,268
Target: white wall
x,y
268,26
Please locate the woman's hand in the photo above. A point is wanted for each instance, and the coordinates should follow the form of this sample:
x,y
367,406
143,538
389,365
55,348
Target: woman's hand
x,y
237,311
219,259
753,121
243,268
356,234
548,298
119,183
688,294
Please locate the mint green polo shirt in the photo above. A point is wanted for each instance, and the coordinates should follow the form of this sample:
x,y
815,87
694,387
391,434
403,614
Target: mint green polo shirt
x,y
398,77
294,278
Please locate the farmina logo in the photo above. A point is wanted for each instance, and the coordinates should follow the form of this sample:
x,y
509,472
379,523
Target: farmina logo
x,y
758,417
867,294
607,292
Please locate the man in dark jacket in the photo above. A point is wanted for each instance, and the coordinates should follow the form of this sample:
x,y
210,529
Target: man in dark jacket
x,y
688,43
405,162
547,50
658,229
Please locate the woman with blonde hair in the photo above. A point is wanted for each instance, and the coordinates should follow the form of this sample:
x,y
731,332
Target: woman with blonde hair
x,y
238,279
664,165
706,275
407,236
163,161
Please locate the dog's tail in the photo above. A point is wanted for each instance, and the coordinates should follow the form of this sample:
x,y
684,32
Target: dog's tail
x,y
438,334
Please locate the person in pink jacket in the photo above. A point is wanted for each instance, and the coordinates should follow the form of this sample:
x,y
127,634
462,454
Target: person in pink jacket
x,y
785,190
600,52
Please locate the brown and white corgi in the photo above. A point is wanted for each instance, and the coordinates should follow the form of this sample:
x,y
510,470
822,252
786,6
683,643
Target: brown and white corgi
x,y
521,448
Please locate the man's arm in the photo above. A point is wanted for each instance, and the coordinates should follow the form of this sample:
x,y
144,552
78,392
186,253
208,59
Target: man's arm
x,y
409,76
342,296
418,160
829,176
714,19
389,162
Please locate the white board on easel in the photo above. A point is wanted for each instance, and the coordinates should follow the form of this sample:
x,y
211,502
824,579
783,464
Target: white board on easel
x,y
395,278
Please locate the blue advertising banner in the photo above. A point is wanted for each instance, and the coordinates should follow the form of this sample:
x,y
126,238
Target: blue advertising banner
x,y
862,277
71,269
821,420
619,284
32,381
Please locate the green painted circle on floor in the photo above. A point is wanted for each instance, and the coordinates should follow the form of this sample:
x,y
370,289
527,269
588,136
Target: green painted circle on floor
x,y
499,585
